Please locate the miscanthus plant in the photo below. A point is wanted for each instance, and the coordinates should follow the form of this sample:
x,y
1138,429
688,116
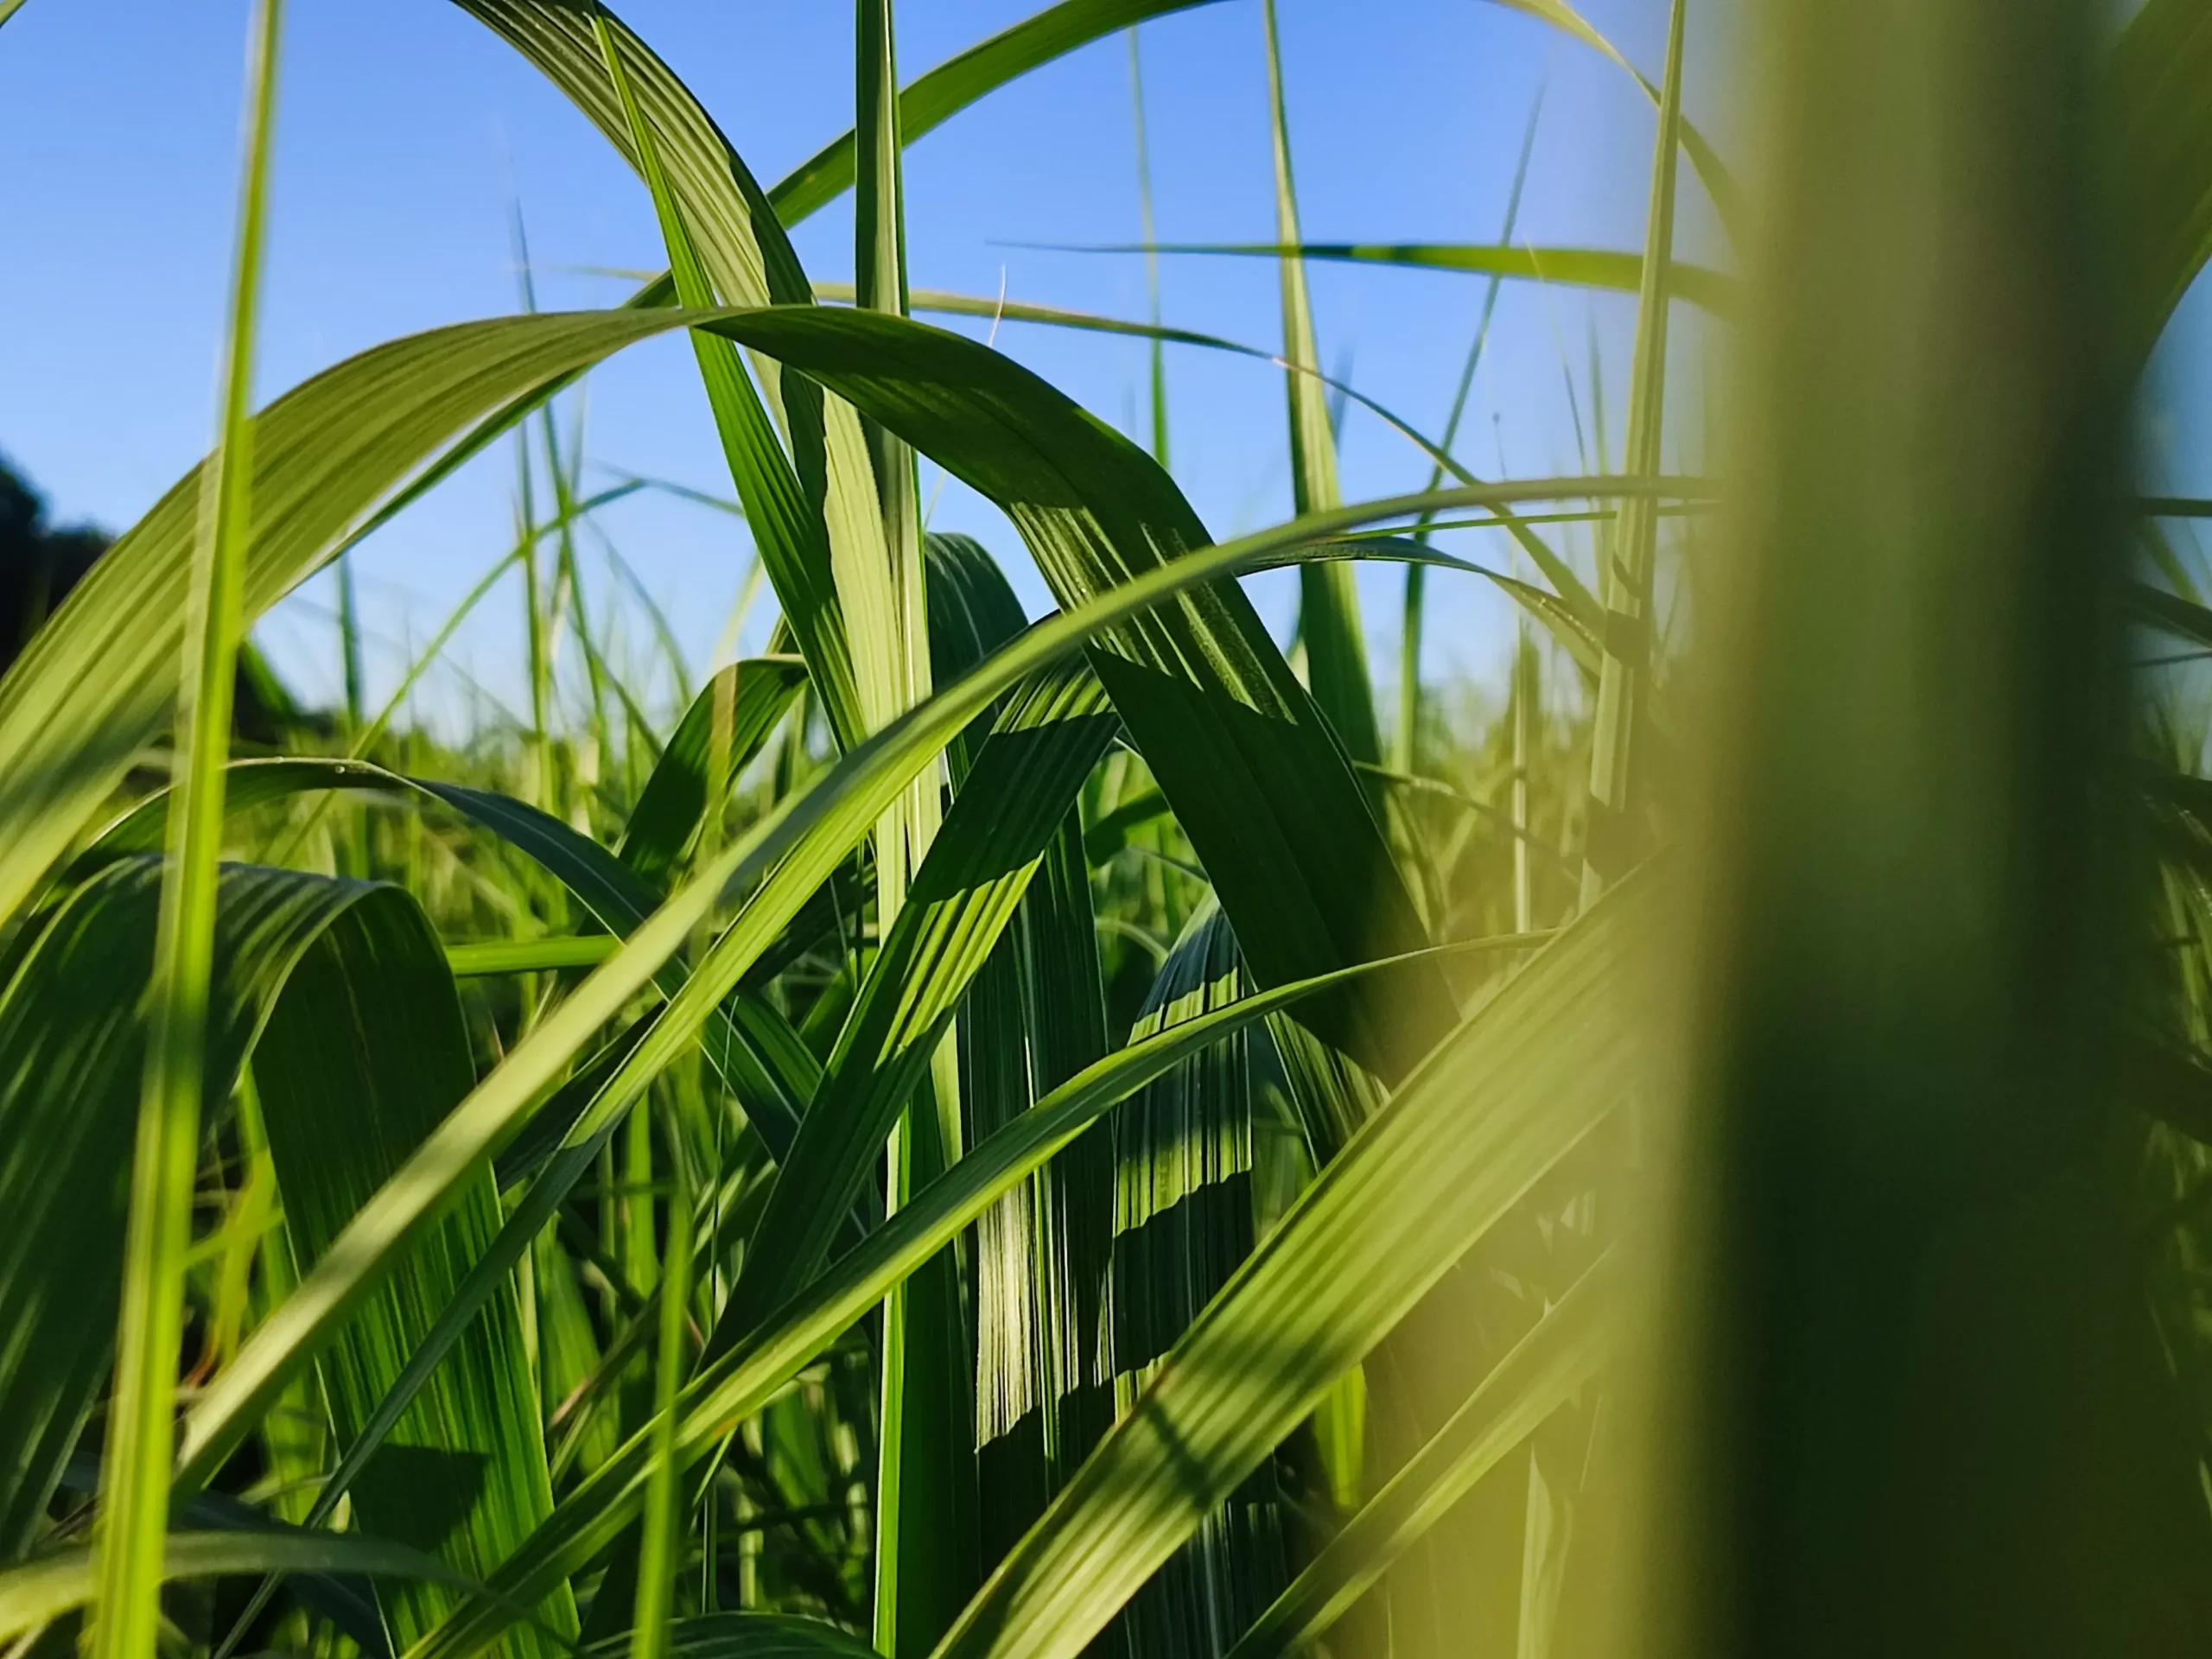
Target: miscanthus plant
x,y
1025,1136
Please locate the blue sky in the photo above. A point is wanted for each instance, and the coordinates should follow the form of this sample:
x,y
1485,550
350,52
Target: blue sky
x,y
405,130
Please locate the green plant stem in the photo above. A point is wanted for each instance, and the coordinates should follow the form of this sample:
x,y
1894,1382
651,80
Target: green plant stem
x,y
1609,845
660,1555
135,1474
1158,353
1407,755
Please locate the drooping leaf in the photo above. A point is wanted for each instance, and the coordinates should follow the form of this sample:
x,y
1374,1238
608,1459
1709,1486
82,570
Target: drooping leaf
x,y
36,1593
73,1049
1257,779
296,954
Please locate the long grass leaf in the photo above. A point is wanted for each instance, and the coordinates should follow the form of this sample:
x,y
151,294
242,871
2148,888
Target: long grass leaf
x,y
1565,1350
1613,841
1599,268
1329,626
134,1497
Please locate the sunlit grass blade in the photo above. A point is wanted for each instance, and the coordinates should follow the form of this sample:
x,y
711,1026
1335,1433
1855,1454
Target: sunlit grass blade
x,y
1546,1058
676,795
960,81
823,821
1613,839
1603,269
37,1592
135,1473
1329,627
1711,171
743,1380
1564,1351
1183,1220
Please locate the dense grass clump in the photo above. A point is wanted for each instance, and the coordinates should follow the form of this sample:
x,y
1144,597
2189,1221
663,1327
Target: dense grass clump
x,y
967,1133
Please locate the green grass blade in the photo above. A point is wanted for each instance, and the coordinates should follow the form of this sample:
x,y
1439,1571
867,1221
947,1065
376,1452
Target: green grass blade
x,y
1329,623
1564,1351
1598,268
1097,512
1613,842
660,1555
37,1592
960,81
70,1040
1547,1056
676,797
710,215
135,1482
1014,797
1727,199
739,1384
463,1473
1157,358
1183,1222
822,822
924,1487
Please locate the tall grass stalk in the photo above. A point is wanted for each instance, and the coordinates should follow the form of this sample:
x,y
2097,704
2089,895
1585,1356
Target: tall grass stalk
x,y
1611,842
135,1472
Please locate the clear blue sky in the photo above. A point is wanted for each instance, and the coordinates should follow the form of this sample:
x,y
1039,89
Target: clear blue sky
x,y
406,128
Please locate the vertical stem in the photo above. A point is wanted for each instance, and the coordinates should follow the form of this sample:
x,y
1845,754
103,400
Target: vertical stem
x,y
1158,348
1407,755
1524,688
1925,1408
134,1475
660,1553
349,643
1328,604
1609,846
915,1330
